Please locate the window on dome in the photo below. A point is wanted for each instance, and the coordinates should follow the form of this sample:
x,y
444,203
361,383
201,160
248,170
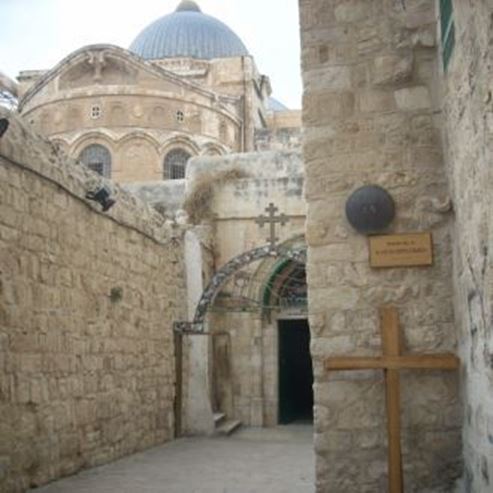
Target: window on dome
x,y
180,116
175,164
97,158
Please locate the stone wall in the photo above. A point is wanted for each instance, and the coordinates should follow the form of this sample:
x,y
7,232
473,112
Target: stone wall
x,y
87,301
283,132
278,139
370,80
468,139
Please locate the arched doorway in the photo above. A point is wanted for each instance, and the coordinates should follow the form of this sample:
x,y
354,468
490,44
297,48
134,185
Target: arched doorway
x,y
285,294
260,341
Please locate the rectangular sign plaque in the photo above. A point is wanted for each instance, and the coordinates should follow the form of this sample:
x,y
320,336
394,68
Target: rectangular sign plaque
x,y
405,250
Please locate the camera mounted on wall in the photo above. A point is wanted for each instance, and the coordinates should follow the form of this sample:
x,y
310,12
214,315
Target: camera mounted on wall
x,y
102,195
4,125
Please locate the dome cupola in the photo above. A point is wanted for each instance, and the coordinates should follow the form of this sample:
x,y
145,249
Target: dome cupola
x,y
188,32
188,6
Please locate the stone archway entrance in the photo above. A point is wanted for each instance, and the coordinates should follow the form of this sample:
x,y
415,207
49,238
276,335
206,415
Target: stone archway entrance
x,y
246,315
237,264
239,312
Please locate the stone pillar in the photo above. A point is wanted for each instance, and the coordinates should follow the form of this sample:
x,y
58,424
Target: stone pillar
x,y
198,410
468,137
257,360
370,117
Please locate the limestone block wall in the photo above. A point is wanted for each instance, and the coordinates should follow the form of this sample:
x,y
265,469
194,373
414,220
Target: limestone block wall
x,y
235,76
468,138
370,84
87,302
278,139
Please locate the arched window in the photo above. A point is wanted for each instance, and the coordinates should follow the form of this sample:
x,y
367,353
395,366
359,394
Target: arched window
x,y
286,287
175,164
293,290
97,158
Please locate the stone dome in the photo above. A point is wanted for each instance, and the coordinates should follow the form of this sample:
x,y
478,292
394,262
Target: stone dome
x,y
188,32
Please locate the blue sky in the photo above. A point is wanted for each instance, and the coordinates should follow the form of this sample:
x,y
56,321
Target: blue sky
x,y
37,34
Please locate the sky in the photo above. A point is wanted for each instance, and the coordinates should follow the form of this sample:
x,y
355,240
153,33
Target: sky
x,y
37,34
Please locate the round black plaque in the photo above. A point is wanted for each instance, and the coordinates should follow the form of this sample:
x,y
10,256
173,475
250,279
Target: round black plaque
x,y
370,209
4,125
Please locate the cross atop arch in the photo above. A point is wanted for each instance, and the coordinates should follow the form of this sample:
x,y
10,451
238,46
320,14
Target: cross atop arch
x,y
272,220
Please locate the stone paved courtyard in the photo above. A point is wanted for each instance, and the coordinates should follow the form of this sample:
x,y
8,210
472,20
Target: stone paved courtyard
x,y
275,460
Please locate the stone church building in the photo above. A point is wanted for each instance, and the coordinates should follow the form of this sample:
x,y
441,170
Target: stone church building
x,y
181,254
186,87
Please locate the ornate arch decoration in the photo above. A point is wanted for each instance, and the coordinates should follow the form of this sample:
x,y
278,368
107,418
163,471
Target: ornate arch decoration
x,y
277,280
214,149
138,135
286,286
97,158
294,254
100,137
182,141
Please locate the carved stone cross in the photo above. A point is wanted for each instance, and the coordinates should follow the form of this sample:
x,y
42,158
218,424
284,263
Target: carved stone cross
x,y
272,220
98,62
391,362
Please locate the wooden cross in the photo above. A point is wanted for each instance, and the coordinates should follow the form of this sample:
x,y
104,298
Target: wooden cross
x,y
391,362
272,220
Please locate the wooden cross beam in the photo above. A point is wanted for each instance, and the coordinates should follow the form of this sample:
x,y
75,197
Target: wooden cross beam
x,y
391,362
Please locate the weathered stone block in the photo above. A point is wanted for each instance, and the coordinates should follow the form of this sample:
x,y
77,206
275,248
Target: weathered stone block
x,y
335,78
376,101
413,98
353,10
326,106
392,69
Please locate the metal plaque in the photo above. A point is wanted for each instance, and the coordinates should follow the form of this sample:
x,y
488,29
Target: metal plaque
x,y
370,209
405,250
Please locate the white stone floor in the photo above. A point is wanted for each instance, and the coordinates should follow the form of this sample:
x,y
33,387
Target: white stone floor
x,y
253,460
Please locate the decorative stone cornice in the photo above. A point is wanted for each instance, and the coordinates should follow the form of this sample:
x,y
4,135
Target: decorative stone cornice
x,y
97,55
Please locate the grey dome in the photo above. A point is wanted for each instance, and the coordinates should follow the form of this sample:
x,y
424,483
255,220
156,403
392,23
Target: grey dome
x,y
188,32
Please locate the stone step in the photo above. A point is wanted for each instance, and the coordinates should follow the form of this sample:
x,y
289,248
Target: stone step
x,y
218,418
228,427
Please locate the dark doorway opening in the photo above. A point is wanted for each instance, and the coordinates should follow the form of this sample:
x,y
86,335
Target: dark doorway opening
x,y
295,372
